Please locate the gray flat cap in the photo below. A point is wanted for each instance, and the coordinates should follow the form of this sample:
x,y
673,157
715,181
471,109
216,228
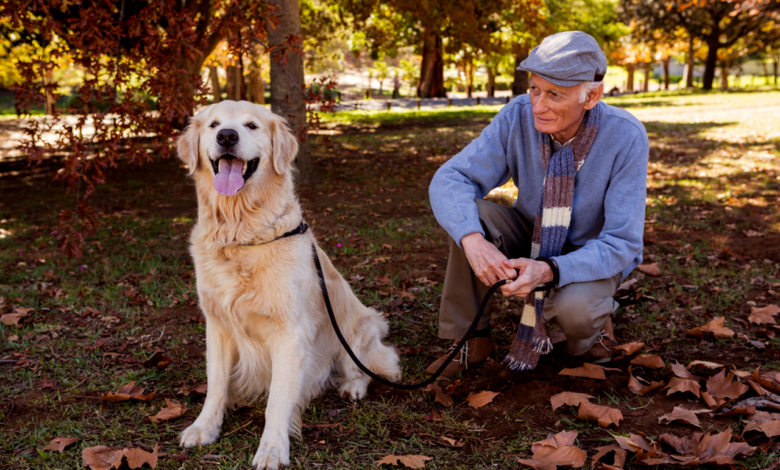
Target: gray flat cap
x,y
567,59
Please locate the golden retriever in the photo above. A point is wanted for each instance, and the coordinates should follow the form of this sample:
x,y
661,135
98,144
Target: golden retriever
x,y
267,329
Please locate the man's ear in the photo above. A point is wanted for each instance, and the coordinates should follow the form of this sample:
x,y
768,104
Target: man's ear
x,y
285,145
594,97
188,143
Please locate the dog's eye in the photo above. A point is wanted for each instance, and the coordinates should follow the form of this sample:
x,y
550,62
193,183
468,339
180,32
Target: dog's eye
x,y
214,124
252,125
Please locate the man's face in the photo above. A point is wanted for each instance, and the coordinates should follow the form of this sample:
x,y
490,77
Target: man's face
x,y
557,110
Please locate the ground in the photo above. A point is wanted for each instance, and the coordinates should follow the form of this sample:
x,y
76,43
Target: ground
x,y
712,226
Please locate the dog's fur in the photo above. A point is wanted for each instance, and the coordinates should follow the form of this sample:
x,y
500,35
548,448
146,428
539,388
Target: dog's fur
x,y
267,329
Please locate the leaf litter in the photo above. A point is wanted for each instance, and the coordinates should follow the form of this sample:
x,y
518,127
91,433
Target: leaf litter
x,y
557,450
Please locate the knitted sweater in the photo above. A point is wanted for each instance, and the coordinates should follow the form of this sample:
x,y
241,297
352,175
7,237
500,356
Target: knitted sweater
x,y
608,212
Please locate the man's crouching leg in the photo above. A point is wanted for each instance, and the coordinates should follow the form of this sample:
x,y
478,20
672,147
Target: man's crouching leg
x,y
583,310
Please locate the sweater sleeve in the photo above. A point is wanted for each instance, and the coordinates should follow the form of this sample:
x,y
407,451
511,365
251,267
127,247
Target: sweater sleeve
x,y
472,173
620,242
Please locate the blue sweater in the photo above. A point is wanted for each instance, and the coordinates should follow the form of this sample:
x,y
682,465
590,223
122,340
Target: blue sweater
x,y
608,212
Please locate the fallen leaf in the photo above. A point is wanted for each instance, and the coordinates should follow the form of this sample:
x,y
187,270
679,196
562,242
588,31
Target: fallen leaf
x,y
762,421
568,398
765,382
636,386
683,445
715,327
157,361
717,449
630,348
173,410
619,459
680,371
480,399
589,371
136,458
127,392
60,443
651,269
441,396
681,414
102,457
11,319
677,384
752,233
651,361
556,451
707,364
721,386
634,443
763,315
200,390
449,442
408,461
711,402
604,415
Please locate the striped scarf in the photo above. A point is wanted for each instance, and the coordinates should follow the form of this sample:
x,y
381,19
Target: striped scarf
x,y
550,229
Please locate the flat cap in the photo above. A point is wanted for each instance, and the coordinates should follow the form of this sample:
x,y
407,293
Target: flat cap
x,y
567,59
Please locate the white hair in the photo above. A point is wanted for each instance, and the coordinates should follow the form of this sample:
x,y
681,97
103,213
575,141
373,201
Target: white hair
x,y
586,88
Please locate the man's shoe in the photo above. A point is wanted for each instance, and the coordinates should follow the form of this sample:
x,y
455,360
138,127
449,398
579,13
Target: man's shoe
x,y
604,349
475,350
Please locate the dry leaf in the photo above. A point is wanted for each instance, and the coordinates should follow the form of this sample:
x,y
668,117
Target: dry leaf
x,y
707,364
767,423
636,386
681,372
651,269
603,414
677,384
556,451
480,399
11,319
441,396
764,382
715,327
102,457
450,442
630,348
652,361
619,458
568,398
157,361
589,371
173,410
408,461
200,390
763,315
127,392
711,402
136,458
60,443
683,445
681,414
721,386
635,443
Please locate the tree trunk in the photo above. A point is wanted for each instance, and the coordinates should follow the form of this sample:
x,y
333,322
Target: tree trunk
x,y
520,83
216,91
368,90
48,79
396,86
646,86
431,84
689,65
491,84
256,91
287,100
234,82
468,67
630,82
774,68
665,62
713,44
724,75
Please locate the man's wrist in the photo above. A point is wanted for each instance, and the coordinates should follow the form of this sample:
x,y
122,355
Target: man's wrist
x,y
552,278
473,236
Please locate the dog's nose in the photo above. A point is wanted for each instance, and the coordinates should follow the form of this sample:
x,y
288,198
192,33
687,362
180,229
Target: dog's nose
x,y
227,137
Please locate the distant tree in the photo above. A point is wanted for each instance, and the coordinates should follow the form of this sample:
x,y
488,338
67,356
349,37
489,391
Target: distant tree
x,y
718,23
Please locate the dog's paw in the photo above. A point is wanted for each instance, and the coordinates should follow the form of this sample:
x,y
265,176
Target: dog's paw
x,y
271,456
197,435
354,389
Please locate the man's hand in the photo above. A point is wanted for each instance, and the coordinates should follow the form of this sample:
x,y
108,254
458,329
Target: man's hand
x,y
487,262
532,275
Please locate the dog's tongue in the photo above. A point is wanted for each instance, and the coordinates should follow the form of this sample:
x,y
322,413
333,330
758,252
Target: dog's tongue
x,y
229,180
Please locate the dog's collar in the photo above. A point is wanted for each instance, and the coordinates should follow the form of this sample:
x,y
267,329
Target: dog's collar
x,y
299,230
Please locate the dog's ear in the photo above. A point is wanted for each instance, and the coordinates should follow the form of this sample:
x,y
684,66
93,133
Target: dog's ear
x,y
285,145
189,143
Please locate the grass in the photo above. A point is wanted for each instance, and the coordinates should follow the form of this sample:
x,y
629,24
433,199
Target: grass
x,y
714,176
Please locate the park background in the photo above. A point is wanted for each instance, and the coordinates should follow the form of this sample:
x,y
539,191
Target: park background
x,y
97,289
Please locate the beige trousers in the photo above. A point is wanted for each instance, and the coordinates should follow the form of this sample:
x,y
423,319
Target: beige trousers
x,y
580,309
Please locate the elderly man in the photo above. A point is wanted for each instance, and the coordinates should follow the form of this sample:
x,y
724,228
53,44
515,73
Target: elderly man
x,y
574,231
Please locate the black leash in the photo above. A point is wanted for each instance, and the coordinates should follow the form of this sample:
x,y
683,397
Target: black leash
x,y
365,369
